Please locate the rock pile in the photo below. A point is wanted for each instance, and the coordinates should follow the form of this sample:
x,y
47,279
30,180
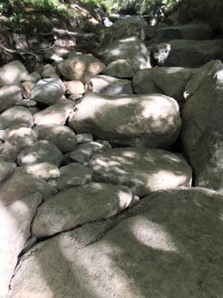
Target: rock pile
x,y
96,201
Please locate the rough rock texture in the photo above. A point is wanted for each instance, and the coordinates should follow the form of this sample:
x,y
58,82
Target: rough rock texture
x,y
16,217
142,169
150,120
48,91
41,151
80,67
120,68
169,243
130,49
111,86
188,53
9,96
16,115
6,169
61,136
12,73
202,133
170,81
79,205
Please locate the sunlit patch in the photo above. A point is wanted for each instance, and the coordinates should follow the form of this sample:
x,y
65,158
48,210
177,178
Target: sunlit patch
x,y
29,158
124,199
152,234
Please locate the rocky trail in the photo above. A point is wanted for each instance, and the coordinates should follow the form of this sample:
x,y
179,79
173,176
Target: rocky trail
x,y
111,166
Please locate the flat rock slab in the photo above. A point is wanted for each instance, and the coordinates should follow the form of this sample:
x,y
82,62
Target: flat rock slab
x,y
143,169
15,223
79,205
169,245
143,120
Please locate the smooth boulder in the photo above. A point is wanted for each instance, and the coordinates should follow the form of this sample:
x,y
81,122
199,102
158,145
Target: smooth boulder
x,y
143,120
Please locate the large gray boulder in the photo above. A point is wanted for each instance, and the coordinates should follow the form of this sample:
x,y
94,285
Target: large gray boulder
x,y
149,120
170,81
12,73
131,49
9,96
187,53
170,245
80,205
16,219
202,133
143,169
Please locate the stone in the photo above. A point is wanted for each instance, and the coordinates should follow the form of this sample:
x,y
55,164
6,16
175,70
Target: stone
x,y
9,96
131,49
110,86
73,174
144,170
188,31
120,69
18,139
143,120
55,114
49,72
170,81
6,169
48,91
84,152
84,138
80,205
12,73
61,136
188,53
164,245
43,170
202,133
74,88
27,87
16,115
16,218
80,67
39,152
33,77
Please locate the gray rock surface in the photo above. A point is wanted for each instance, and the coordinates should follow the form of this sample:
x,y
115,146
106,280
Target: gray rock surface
x,y
144,170
12,73
169,244
9,96
6,169
73,174
61,136
120,69
48,91
16,115
80,205
145,120
202,133
110,86
41,151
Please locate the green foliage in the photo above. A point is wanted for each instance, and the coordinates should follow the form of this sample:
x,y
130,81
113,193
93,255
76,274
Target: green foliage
x,y
51,6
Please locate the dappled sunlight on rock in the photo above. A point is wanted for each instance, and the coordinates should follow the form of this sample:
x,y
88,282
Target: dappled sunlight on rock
x,y
151,234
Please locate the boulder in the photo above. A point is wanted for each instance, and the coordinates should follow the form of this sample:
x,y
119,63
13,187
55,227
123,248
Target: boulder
x,y
61,136
48,91
6,169
9,96
187,53
16,219
170,81
49,72
202,133
110,86
12,73
169,245
119,68
131,49
71,175
16,115
43,170
80,205
80,67
145,120
143,169
188,31
39,152
74,88
55,114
